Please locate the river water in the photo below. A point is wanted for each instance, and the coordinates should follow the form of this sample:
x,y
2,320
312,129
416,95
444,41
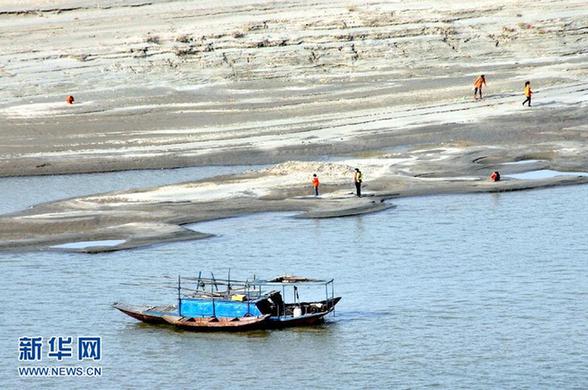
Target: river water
x,y
460,291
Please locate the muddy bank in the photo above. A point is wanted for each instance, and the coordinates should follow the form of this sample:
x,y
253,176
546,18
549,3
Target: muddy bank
x,y
235,82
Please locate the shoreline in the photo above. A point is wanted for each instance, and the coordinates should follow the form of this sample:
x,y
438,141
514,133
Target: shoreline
x,y
544,127
149,216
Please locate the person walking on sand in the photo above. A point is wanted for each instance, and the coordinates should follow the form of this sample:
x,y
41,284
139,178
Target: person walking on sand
x,y
357,179
527,91
315,184
478,83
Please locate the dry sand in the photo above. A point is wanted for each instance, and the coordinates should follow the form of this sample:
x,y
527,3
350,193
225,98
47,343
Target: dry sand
x,y
386,85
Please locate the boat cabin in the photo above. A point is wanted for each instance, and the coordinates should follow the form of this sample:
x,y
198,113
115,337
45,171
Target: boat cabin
x,y
212,297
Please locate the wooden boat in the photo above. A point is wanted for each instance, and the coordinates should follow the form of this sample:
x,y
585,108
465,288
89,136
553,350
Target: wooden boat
x,y
207,324
168,315
225,304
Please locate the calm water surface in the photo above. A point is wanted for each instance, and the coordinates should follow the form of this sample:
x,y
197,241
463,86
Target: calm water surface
x,y
465,291
18,193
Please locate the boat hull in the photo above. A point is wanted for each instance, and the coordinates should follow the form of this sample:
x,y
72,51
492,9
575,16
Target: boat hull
x,y
213,324
289,322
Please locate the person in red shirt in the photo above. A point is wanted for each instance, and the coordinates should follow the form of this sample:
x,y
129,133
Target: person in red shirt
x,y
495,176
315,184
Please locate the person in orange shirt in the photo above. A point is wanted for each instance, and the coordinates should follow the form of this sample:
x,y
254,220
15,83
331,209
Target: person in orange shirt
x,y
527,91
315,184
478,83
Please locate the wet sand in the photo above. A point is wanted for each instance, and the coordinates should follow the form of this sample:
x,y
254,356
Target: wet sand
x,y
384,86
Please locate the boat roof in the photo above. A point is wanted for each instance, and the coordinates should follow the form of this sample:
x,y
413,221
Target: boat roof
x,y
282,280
